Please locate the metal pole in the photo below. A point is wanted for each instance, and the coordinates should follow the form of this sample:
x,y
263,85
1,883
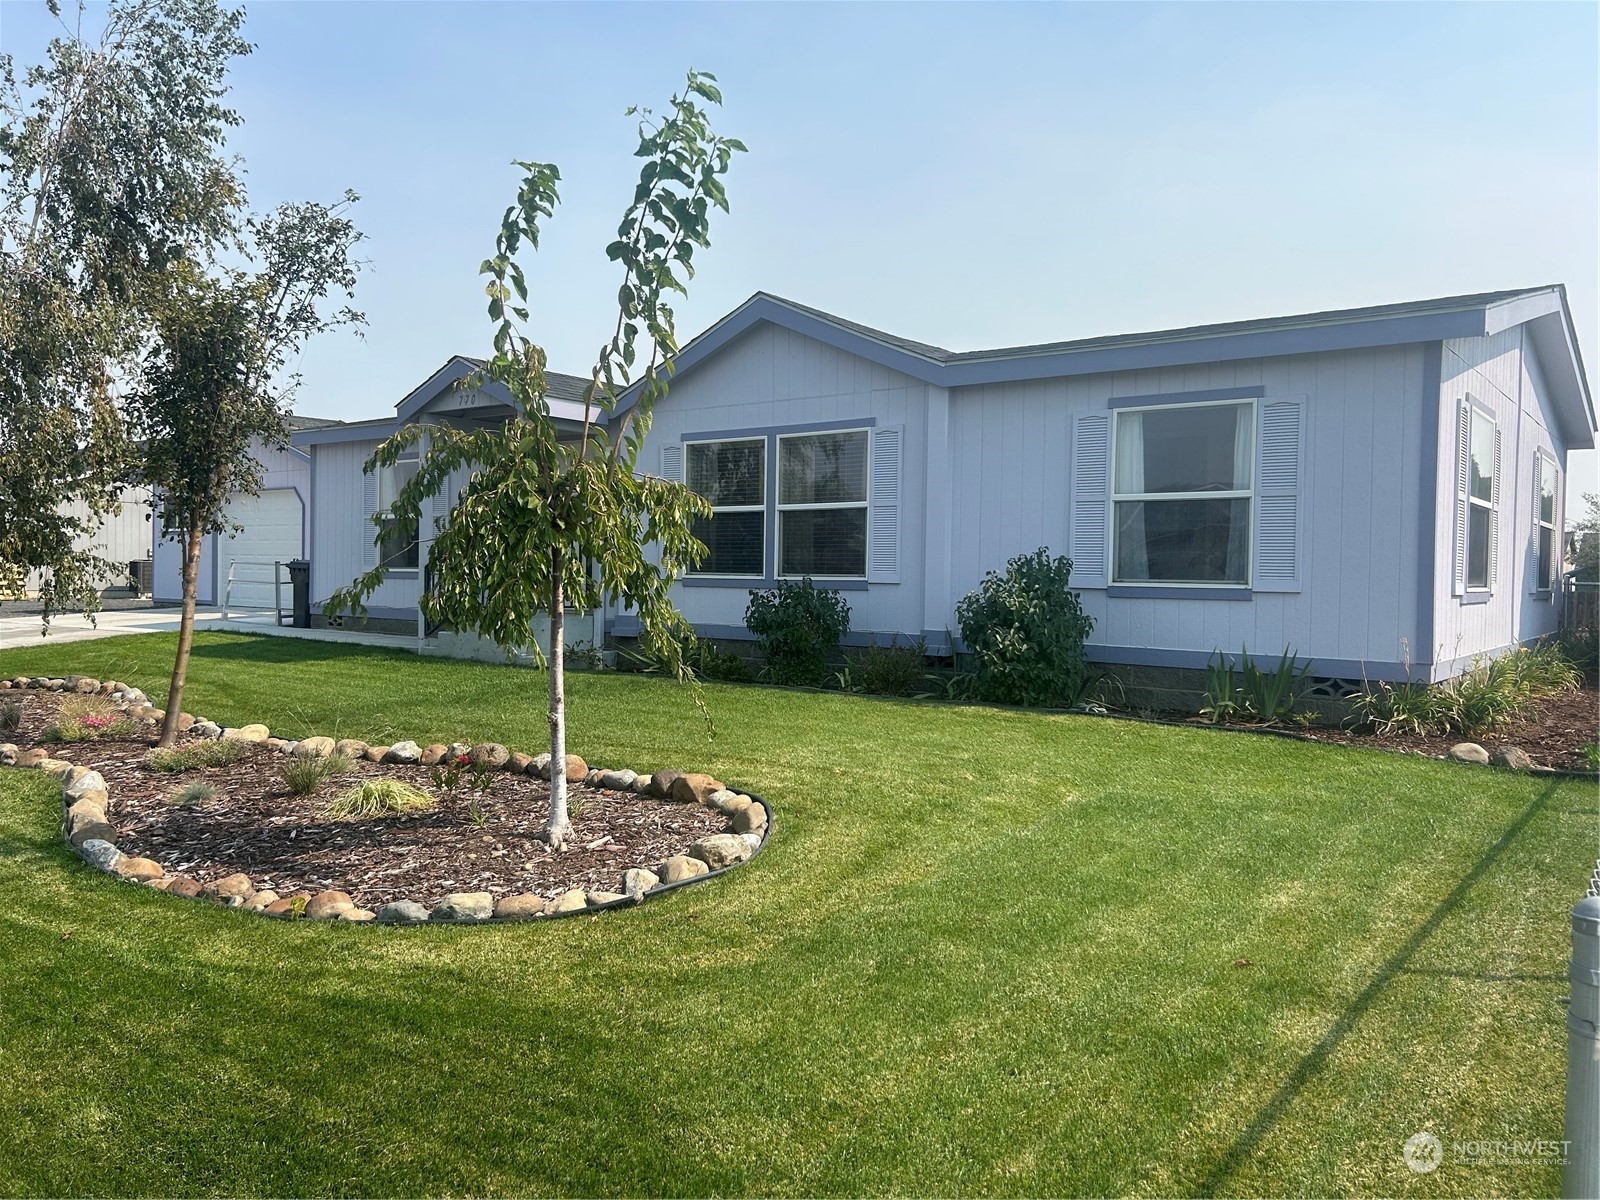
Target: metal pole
x,y
1580,1177
277,593
227,591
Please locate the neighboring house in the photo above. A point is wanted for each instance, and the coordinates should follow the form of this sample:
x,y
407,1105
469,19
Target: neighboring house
x,y
121,538
1377,488
273,531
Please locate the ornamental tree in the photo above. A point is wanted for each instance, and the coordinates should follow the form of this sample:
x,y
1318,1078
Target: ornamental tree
x,y
111,164
545,521
215,387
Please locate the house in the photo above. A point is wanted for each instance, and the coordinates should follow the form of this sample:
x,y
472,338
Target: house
x,y
1377,488
120,538
272,530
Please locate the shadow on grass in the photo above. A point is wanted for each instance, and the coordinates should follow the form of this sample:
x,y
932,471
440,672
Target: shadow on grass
x,y
264,648
1317,1057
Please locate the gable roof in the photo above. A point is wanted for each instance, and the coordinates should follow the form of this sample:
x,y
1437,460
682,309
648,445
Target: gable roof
x,y
1473,315
564,392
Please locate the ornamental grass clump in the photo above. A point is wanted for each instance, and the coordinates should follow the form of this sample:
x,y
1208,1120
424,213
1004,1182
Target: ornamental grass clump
x,y
10,717
177,759
85,718
193,794
377,797
303,775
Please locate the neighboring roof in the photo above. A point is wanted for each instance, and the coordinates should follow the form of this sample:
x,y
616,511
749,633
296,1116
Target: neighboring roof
x,y
297,423
564,392
1343,329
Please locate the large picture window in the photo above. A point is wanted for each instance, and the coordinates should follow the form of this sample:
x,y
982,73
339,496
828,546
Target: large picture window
x,y
1480,500
397,539
1545,522
732,477
1182,487
822,504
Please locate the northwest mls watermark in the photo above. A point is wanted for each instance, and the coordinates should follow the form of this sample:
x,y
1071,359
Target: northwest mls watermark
x,y
1424,1152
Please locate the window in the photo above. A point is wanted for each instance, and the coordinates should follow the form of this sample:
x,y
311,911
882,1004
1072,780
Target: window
x,y
732,476
1480,500
397,541
822,504
1545,522
1182,488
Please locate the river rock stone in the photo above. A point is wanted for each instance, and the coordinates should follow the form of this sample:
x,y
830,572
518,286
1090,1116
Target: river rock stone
x,y
351,748
750,819
100,854
488,754
568,902
726,802
261,900
1469,752
8,754
400,912
284,906
432,756
751,840
32,756
182,885
680,867
357,914
594,776
519,763
457,750
1512,756
229,886
325,906
85,832
694,789
55,685
661,782
207,729
74,775
636,881
720,850
375,753
598,898
464,906
403,754
541,766
140,870
519,908
618,781
84,686
314,747
247,733
56,768
85,812
85,786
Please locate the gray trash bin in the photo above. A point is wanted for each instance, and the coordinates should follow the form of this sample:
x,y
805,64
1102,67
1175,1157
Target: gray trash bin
x,y
300,585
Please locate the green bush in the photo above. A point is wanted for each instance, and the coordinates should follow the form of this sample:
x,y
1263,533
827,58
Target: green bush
x,y
194,756
1025,632
892,670
798,625
1243,687
1485,695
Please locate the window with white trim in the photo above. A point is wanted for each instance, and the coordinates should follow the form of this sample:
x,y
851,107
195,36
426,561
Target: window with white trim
x,y
732,476
1480,501
1544,523
1182,493
397,539
822,504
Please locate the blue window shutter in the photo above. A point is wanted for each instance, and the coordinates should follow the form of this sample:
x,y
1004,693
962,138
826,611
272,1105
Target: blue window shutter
x,y
1091,481
369,531
1494,516
883,516
1279,472
672,462
1458,575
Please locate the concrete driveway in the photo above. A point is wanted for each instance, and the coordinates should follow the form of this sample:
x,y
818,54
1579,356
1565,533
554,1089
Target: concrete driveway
x,y
22,628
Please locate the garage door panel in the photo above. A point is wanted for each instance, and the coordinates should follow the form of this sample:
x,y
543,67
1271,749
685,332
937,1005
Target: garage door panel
x,y
272,523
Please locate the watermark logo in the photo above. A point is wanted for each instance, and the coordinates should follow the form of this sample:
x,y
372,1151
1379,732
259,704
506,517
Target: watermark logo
x,y
1423,1152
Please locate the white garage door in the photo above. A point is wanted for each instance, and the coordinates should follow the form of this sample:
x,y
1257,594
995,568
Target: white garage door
x,y
271,534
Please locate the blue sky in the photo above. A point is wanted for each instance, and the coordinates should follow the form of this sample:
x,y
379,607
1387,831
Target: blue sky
x,y
969,175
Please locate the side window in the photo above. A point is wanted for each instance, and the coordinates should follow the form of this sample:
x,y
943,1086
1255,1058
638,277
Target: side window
x,y
397,540
1482,492
822,504
1182,488
732,477
1548,479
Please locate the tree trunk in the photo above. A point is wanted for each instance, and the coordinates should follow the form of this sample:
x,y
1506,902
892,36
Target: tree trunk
x,y
558,827
180,665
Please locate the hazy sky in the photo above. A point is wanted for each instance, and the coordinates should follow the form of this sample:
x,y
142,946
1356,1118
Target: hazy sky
x,y
968,175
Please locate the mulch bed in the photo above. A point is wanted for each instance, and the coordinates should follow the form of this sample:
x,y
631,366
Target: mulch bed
x,y
288,843
1552,731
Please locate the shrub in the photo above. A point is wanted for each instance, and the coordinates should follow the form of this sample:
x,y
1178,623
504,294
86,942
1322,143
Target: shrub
x,y
302,775
893,670
10,717
193,794
194,756
376,797
702,657
1581,648
1402,708
1025,631
798,626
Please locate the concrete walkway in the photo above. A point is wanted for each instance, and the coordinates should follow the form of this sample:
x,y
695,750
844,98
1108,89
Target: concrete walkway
x,y
23,629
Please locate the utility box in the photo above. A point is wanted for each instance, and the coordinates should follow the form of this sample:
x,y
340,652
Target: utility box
x,y
300,586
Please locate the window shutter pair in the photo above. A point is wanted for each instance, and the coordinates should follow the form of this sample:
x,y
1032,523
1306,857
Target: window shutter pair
x,y
1279,469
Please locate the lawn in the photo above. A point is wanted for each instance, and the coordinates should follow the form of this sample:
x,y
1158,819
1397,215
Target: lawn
x,y
986,951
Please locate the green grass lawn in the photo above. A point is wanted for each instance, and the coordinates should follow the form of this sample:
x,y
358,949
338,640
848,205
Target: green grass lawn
x,y
986,951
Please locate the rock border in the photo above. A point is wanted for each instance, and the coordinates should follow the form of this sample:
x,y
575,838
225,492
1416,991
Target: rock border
x,y
87,827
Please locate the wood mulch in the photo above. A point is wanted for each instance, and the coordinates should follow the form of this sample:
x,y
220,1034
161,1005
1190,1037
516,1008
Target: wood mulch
x,y
488,842
1552,731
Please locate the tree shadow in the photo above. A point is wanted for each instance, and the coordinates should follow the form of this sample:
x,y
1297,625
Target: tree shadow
x,y
1317,1057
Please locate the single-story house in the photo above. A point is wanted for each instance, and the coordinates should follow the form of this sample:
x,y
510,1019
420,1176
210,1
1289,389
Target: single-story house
x,y
121,538
1377,488
273,529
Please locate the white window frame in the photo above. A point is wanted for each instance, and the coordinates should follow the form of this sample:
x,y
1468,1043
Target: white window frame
x,y
1475,414
766,476
1548,469
780,507
387,473
1251,405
